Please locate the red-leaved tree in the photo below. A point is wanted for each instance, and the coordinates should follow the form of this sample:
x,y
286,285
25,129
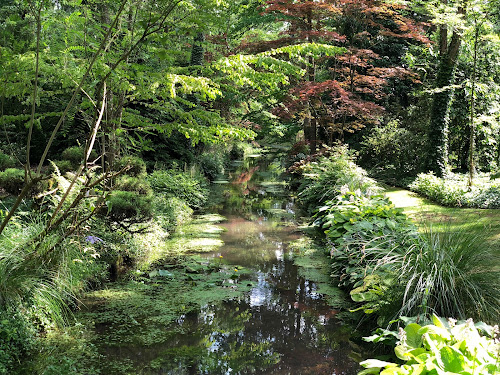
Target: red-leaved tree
x,y
343,93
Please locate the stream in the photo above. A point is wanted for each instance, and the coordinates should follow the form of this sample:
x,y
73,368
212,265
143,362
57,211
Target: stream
x,y
281,325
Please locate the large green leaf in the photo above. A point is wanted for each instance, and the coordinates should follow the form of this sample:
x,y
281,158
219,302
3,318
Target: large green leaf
x,y
452,359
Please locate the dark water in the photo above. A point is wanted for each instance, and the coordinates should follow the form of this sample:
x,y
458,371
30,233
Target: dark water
x,y
282,326
292,329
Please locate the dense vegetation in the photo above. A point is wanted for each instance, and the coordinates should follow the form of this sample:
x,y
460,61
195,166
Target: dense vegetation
x,y
118,119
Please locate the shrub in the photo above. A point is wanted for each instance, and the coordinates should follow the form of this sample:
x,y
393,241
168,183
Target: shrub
x,y
212,164
445,191
444,347
322,179
129,183
12,180
393,153
6,161
192,190
171,211
129,206
453,190
64,166
136,164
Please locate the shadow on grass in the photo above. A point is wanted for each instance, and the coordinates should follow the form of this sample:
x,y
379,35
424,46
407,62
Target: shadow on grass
x,y
484,222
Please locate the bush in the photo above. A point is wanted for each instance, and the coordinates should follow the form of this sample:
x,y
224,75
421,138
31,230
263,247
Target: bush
x,y
212,164
453,190
12,180
129,183
444,347
6,161
171,211
172,183
64,166
136,164
74,155
393,153
322,179
129,207
17,338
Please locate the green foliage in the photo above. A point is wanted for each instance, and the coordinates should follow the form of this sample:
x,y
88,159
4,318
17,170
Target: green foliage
x,y
212,164
17,339
171,211
12,180
129,206
136,184
6,161
451,273
390,268
366,235
75,155
444,347
192,190
393,153
453,190
321,179
64,166
136,166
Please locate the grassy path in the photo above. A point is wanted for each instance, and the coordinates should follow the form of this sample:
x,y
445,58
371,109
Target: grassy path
x,y
426,212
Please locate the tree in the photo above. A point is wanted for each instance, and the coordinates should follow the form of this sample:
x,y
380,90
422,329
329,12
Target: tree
x,y
342,93
448,53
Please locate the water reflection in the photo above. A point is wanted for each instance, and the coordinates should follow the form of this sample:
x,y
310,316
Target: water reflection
x,y
282,326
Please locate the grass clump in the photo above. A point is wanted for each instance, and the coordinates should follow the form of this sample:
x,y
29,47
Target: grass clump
x,y
451,273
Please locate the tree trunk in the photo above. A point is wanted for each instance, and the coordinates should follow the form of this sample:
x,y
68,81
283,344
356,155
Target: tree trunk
x,y
438,133
437,156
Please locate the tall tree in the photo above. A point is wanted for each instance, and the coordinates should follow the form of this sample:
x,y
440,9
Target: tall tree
x,y
343,93
449,48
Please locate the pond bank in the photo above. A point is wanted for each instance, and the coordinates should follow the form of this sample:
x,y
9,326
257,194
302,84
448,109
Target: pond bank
x,y
247,297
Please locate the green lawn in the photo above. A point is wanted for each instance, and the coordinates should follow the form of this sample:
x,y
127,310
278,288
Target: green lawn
x,y
425,212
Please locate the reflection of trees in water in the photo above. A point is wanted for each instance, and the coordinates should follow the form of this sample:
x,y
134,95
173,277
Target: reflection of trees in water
x,y
280,333
282,326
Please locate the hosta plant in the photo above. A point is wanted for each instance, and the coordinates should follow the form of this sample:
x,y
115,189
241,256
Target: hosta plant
x,y
441,348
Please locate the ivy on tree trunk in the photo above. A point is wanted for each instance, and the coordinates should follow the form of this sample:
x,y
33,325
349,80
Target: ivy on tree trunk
x,y
437,156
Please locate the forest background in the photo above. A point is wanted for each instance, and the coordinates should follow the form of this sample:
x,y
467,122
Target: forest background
x,y
96,95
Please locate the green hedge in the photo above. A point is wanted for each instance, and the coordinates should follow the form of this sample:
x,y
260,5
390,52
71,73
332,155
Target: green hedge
x,y
453,190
